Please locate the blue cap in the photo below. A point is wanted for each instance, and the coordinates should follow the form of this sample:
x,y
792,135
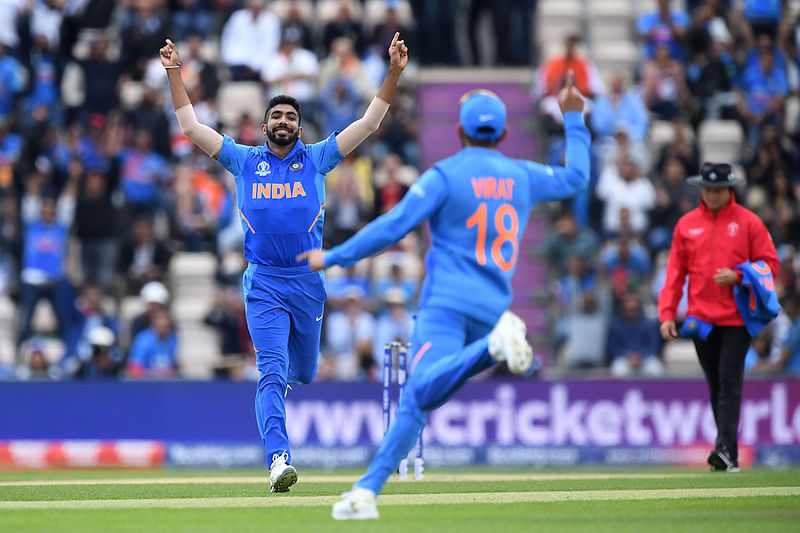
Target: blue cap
x,y
483,116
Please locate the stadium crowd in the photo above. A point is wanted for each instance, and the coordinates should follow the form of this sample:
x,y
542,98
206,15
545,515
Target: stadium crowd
x,y
99,190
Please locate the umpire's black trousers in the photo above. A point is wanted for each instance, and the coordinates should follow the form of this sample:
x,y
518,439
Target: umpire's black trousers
x,y
722,358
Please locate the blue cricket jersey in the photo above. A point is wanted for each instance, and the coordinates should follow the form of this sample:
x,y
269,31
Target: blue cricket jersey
x,y
477,203
281,201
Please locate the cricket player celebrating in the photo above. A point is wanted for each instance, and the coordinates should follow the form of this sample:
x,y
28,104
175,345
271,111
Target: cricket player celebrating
x,y
477,203
280,191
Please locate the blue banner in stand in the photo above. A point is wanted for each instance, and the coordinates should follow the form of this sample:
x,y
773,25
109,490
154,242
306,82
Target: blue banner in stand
x,y
504,423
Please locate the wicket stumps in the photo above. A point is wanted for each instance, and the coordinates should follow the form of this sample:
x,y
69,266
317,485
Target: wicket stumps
x,y
401,349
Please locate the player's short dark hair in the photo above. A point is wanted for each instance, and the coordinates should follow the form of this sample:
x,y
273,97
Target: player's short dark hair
x,y
283,99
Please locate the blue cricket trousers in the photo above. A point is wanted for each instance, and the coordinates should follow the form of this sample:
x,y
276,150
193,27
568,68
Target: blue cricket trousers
x,y
284,315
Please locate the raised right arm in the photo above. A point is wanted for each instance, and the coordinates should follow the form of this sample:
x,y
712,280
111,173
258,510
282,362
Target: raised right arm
x,y
204,137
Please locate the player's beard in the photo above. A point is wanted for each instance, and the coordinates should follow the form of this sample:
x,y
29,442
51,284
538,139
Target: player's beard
x,y
283,141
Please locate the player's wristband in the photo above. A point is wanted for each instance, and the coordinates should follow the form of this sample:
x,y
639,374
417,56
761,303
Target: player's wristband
x,y
173,66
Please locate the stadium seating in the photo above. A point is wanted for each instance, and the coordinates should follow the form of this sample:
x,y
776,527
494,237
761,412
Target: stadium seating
x,y
238,98
192,282
720,140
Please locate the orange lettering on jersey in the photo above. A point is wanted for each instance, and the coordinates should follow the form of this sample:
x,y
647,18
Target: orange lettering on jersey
x,y
476,187
510,188
278,191
298,189
497,189
260,190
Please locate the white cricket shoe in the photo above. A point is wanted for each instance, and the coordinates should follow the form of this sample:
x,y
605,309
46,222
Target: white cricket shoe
x,y
281,475
507,343
358,504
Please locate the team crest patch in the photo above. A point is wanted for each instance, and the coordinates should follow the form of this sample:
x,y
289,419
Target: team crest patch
x,y
262,169
733,229
296,166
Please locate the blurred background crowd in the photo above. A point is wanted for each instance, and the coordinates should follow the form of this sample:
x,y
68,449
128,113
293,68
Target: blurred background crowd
x,y
130,234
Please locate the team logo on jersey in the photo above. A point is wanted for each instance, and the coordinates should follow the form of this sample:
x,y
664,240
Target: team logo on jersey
x,y
733,229
262,169
296,166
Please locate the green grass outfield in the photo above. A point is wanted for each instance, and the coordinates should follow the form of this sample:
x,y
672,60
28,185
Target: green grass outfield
x,y
525,500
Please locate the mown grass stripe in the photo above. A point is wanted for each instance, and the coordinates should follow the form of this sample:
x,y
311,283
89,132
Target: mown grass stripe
x,y
340,479
410,499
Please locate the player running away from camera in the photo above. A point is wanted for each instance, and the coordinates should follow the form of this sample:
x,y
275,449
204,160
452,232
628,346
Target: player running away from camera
x,y
280,192
477,204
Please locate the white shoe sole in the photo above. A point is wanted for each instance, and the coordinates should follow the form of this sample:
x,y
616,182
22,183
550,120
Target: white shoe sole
x,y
519,357
285,481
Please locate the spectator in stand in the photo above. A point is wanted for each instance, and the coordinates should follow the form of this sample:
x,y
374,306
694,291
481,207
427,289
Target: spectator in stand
x,y
200,207
664,85
12,82
589,315
769,158
763,16
437,28
88,314
143,27
191,17
344,24
665,26
787,360
681,147
96,219
228,318
293,71
344,63
620,107
155,297
105,360
45,78
35,365
100,77
396,280
634,342
154,353
47,220
395,323
761,96
550,79
249,40
351,280
577,279
349,335
627,265
390,180
385,30
296,27
199,76
149,115
624,187
397,134
346,210
143,258
142,175
10,151
674,198
569,239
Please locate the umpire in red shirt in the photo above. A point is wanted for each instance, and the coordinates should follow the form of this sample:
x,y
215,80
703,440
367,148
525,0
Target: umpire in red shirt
x,y
707,244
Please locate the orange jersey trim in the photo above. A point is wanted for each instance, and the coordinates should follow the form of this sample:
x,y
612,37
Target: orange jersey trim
x,y
316,218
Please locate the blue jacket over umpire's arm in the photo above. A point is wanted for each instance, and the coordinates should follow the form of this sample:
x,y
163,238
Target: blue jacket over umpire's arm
x,y
477,202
